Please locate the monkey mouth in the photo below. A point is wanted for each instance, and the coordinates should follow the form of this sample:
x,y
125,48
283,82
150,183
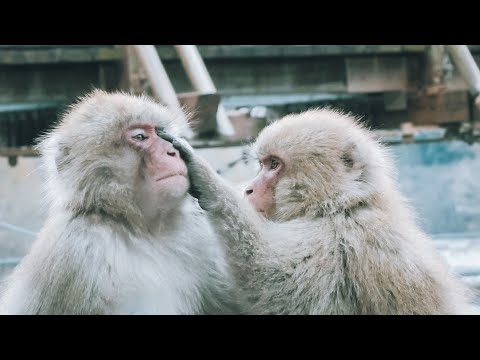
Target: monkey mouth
x,y
172,175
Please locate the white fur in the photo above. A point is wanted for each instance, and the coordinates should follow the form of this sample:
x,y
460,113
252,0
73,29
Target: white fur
x,y
98,252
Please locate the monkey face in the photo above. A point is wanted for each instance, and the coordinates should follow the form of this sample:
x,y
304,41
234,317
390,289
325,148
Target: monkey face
x,y
163,172
261,191
106,155
328,163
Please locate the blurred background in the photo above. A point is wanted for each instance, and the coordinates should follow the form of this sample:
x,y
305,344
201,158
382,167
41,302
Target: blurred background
x,y
421,100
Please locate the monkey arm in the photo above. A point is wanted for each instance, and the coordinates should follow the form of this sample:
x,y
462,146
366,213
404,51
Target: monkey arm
x,y
211,191
235,221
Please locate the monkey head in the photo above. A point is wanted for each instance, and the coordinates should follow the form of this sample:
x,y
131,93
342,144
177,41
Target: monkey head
x,y
105,155
317,162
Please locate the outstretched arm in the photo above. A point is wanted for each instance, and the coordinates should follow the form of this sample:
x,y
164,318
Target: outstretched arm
x,y
232,217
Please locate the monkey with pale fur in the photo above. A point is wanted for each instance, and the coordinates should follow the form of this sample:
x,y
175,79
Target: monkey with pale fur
x,y
122,234
326,230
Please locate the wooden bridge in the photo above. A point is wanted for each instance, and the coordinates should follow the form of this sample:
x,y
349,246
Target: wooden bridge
x,y
394,87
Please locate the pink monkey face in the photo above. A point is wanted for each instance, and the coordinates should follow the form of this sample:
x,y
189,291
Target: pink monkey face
x,y
261,191
164,171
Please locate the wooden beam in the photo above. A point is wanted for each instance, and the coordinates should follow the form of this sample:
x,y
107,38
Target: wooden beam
x,y
26,151
44,54
434,76
376,74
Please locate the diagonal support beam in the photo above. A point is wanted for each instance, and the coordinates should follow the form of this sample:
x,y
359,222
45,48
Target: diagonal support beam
x,y
202,82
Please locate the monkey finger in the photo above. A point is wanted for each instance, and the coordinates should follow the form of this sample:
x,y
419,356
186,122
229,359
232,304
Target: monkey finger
x,y
177,144
183,148
166,136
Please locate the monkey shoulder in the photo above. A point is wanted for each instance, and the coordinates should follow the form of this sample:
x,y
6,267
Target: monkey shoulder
x,y
387,265
92,265
78,258
367,268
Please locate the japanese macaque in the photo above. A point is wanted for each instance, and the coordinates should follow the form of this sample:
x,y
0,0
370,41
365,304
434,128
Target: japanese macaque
x,y
322,229
122,236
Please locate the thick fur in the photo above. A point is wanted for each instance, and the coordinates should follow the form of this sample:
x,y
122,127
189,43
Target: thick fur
x,y
343,239
97,254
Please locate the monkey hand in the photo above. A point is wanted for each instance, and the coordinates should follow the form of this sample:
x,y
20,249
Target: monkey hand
x,y
205,183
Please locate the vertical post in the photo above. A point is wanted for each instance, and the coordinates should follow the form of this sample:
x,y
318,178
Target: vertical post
x,y
202,82
133,75
434,61
463,60
157,76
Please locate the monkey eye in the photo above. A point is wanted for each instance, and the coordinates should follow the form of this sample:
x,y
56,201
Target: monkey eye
x,y
139,137
274,164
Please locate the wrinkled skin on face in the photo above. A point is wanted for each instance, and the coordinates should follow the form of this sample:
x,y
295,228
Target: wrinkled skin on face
x,y
163,172
261,191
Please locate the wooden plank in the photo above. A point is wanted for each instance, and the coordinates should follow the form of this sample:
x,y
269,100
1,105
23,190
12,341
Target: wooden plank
x,y
423,108
18,151
62,83
376,74
132,75
414,48
31,54
395,100
58,55
294,50
434,73
203,108
444,107
43,54
247,125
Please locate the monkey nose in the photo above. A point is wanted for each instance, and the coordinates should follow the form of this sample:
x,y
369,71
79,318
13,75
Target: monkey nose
x,y
172,153
248,192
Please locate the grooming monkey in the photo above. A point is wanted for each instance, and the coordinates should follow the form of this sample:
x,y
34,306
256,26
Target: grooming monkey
x,y
323,229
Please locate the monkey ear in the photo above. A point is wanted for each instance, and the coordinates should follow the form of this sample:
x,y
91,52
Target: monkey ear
x,y
349,156
61,157
352,158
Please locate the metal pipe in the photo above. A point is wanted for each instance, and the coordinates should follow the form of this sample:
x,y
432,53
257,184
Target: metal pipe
x,y
463,60
198,74
157,76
